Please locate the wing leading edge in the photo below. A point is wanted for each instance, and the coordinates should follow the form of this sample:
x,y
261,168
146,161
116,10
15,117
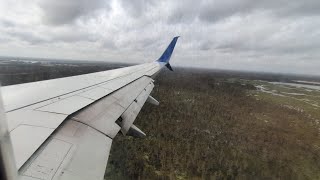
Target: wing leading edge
x,y
68,129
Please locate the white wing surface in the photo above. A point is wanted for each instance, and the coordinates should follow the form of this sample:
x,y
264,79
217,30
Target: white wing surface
x,y
63,128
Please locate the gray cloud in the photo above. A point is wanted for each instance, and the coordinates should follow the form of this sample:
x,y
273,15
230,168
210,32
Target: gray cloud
x,y
68,36
265,35
137,8
212,11
7,24
67,11
109,44
57,36
205,45
184,12
29,37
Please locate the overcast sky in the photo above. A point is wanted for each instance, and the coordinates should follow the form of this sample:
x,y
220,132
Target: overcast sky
x,y
259,35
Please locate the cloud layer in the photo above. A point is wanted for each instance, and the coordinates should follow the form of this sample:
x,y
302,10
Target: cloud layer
x,y
267,35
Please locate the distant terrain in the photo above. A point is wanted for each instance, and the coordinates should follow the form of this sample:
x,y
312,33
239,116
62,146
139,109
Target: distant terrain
x,y
16,70
210,124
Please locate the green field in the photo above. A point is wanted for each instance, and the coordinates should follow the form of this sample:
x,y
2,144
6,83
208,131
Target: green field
x,y
210,127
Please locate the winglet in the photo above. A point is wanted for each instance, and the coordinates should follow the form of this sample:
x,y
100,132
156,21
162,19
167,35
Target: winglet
x,y
165,57
169,66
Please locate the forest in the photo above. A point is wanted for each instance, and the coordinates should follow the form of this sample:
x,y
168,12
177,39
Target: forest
x,y
209,126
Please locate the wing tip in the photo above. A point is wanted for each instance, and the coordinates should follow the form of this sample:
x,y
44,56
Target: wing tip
x,y
165,57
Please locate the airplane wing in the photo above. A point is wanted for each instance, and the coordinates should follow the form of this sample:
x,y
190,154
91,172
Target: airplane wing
x,y
63,128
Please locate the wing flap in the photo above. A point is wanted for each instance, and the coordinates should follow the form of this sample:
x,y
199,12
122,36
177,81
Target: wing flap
x,y
29,129
141,99
23,148
129,93
75,151
48,161
104,113
129,116
102,116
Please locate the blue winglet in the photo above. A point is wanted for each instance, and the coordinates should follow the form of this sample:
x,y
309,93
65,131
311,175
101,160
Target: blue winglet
x,y
165,57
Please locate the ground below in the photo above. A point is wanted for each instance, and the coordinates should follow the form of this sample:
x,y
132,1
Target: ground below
x,y
217,127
